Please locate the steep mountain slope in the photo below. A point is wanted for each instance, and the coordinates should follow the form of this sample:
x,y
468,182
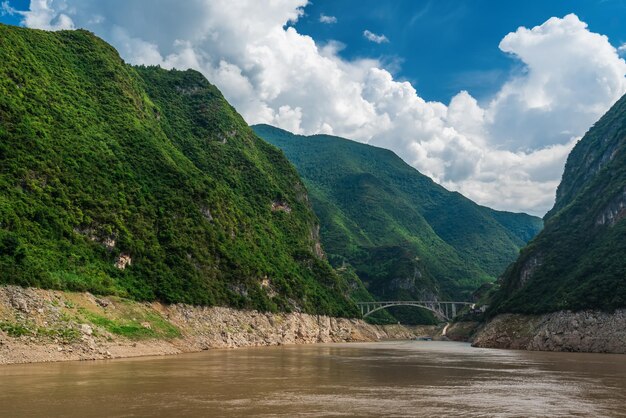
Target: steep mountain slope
x,y
579,260
146,183
406,236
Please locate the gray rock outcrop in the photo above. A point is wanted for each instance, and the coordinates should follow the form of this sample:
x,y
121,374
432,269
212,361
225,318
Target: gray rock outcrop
x,y
585,331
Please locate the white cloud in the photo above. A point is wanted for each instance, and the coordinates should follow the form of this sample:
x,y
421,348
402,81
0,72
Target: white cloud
x,y
328,19
371,36
622,49
572,76
6,9
47,14
507,153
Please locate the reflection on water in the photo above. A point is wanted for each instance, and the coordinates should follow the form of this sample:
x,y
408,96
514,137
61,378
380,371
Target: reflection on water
x,y
407,378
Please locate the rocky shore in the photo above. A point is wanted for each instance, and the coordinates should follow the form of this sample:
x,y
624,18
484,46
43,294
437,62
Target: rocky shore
x,y
42,325
586,331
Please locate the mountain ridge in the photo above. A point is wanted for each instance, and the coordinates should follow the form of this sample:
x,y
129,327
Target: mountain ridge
x,y
146,183
378,214
579,260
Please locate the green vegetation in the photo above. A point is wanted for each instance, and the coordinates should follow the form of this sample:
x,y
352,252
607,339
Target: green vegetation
x,y
152,170
579,260
134,325
14,329
66,333
405,236
63,333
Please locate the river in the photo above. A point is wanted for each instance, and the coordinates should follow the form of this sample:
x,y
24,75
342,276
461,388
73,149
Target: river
x,y
407,378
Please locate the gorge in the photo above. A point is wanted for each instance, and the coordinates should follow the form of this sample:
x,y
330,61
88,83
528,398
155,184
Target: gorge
x,y
306,208
96,152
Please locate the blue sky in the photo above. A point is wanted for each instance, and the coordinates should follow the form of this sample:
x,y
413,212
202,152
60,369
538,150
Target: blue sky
x,y
486,97
443,46
14,19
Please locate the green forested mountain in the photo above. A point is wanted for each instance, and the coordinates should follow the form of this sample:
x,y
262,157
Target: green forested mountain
x,y
579,260
146,183
406,236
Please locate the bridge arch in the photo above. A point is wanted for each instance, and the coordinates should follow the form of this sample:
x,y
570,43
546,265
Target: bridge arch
x,y
438,314
442,310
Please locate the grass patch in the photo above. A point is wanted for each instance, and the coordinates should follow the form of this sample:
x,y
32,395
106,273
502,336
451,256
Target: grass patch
x,y
65,334
139,326
14,330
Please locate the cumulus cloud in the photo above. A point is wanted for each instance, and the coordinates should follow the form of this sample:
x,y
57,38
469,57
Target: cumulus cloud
x,y
507,152
328,19
571,75
371,36
622,49
49,15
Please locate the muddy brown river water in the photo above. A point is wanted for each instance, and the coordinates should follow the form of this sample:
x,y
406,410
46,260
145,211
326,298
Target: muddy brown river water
x,y
407,378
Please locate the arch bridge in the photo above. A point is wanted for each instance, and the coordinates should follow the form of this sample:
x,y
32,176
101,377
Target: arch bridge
x,y
443,310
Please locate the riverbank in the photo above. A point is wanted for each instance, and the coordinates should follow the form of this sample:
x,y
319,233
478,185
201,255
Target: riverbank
x,y
586,331
44,325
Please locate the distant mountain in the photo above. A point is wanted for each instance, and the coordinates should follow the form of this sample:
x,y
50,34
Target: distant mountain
x,y
146,183
405,236
579,260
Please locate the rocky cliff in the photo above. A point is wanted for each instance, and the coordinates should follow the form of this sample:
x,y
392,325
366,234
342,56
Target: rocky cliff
x,y
567,289
39,325
584,331
578,261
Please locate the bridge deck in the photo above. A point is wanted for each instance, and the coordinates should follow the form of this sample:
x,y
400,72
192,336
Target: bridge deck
x,y
445,310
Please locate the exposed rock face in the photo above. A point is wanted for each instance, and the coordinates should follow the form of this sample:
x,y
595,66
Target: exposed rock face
x,y
109,243
317,245
279,206
223,138
224,327
461,331
206,213
414,282
529,267
591,156
614,211
93,235
122,261
587,331
42,325
578,260
86,329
